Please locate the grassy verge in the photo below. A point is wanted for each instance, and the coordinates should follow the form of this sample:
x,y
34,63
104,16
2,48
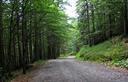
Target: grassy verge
x,y
113,51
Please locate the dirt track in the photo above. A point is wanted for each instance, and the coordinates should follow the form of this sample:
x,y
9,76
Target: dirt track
x,y
71,70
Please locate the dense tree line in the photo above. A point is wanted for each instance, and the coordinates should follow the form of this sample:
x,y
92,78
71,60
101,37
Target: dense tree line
x,y
30,30
100,20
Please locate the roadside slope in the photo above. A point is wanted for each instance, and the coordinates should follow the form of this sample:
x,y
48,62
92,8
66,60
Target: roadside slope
x,y
114,51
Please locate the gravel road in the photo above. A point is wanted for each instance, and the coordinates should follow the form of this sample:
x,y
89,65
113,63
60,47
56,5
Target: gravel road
x,y
71,70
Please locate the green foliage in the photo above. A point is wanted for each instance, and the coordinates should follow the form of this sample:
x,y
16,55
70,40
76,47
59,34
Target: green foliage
x,y
122,63
39,62
31,30
112,50
99,20
64,56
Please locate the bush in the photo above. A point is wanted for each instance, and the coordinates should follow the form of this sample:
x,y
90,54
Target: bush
x,y
122,63
95,38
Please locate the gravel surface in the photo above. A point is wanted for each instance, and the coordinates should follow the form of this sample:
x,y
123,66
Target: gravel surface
x,y
71,70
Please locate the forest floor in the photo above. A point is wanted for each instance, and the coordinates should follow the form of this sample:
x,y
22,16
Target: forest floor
x,y
72,70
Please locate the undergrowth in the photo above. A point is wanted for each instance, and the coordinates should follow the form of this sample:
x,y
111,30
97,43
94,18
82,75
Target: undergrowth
x,y
114,51
39,62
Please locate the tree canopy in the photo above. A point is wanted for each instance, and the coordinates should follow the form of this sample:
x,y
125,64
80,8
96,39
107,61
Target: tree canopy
x,y
101,19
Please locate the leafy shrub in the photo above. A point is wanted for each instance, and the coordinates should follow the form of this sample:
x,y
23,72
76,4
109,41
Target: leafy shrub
x,y
122,63
95,38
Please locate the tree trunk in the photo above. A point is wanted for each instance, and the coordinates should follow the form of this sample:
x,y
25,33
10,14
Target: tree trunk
x,y
1,36
24,35
125,17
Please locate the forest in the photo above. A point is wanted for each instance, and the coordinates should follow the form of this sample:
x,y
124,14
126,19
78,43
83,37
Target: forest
x,y
32,30
100,20
103,28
